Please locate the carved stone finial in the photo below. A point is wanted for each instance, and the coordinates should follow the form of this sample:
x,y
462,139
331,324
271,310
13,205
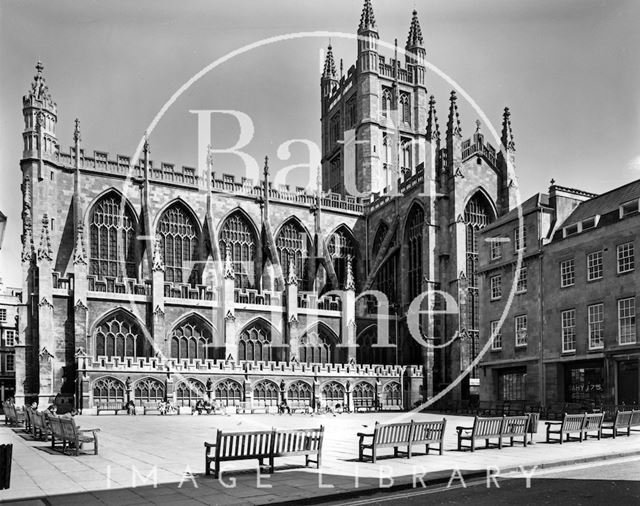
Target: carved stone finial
x,y
433,129
80,254
367,19
329,71
349,283
158,262
453,122
76,132
478,125
507,132
415,33
45,252
292,277
229,272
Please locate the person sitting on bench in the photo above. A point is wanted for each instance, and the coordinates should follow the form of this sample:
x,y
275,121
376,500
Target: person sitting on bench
x,y
284,407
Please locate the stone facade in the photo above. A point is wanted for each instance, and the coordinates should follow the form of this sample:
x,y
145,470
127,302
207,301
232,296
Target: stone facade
x,y
9,301
149,280
581,344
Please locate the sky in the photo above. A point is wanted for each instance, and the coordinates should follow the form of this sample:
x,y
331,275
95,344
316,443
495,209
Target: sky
x,y
569,71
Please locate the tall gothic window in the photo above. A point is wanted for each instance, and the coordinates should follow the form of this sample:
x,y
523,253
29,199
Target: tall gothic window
x,y
238,233
406,156
317,347
341,246
414,246
255,342
366,352
179,243
293,243
120,335
387,101
477,215
112,231
386,277
192,339
405,107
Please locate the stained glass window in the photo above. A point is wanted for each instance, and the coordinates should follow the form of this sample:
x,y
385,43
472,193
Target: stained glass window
x,y
293,243
179,244
238,234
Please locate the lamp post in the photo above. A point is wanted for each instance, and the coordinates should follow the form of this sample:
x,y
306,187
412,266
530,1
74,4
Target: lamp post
x,y
3,224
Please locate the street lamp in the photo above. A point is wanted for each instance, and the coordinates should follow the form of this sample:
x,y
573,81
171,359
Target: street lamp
x,y
3,224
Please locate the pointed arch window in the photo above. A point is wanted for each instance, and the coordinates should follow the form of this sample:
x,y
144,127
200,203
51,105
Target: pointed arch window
x,y
108,390
386,277
238,233
149,390
255,343
387,101
189,391
266,393
405,107
228,393
112,232
179,245
293,243
299,394
119,335
406,156
366,352
341,246
192,340
317,348
414,250
477,214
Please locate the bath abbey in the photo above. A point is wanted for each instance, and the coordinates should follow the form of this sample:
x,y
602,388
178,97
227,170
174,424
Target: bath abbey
x,y
145,280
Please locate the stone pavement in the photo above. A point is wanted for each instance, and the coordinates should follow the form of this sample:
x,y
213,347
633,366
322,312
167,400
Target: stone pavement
x,y
154,459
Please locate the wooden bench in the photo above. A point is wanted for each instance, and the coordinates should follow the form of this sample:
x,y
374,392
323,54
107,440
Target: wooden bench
x,y
400,435
13,416
635,420
593,423
74,437
291,442
514,427
148,406
263,445
115,406
55,428
570,424
493,428
620,422
40,425
364,404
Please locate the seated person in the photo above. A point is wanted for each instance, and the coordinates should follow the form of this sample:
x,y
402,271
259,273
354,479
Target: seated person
x,y
199,407
284,407
131,408
162,407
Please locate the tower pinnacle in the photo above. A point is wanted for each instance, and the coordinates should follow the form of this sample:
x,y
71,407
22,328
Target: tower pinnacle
x,y
367,19
329,71
507,133
415,33
433,129
453,122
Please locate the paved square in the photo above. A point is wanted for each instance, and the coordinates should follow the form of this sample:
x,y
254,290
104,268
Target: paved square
x,y
136,451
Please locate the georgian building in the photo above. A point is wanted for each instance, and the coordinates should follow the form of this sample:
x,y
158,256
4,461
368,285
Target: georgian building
x,y
569,333
149,280
9,302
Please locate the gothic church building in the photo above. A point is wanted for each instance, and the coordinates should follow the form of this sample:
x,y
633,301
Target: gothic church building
x,y
152,281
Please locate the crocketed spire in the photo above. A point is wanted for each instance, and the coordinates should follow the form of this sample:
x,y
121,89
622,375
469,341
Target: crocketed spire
x,y
329,65
229,271
507,133
367,19
433,129
45,252
415,33
158,262
39,92
453,122
349,283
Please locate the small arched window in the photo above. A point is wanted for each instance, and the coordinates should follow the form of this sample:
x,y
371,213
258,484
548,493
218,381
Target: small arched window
x,y
293,244
405,107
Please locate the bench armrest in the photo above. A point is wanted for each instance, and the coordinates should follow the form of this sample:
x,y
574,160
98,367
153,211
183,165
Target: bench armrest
x,y
363,434
88,430
460,428
209,445
553,423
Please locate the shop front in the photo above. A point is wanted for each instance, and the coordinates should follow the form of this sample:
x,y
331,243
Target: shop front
x,y
628,380
585,382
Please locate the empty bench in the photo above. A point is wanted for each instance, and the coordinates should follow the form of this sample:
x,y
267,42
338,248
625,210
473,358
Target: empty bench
x,y
488,428
110,406
261,445
401,435
581,425
621,422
